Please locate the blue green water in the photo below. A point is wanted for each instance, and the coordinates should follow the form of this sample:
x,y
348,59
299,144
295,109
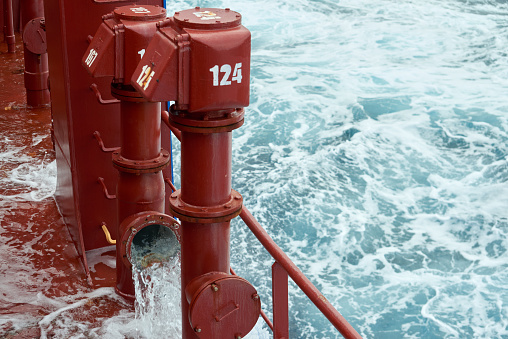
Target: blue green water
x,y
374,153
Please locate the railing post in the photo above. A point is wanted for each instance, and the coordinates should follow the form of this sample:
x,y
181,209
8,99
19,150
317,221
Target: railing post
x,y
299,278
280,302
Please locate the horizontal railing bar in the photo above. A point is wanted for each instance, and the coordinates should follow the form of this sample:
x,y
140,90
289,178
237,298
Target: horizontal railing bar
x,y
299,278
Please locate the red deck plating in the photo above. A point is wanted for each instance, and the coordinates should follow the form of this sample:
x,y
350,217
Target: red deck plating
x,y
38,257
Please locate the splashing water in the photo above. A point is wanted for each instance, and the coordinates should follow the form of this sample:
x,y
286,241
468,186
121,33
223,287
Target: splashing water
x,y
158,299
158,302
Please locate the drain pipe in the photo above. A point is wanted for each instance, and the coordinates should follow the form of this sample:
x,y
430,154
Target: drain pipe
x,y
35,52
200,58
114,51
10,39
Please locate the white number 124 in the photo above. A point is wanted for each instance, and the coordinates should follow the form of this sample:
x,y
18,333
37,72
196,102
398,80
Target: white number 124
x,y
226,69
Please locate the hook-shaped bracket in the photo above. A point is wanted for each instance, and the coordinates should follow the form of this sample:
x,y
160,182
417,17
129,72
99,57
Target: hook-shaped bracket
x,y
98,95
97,136
100,180
106,233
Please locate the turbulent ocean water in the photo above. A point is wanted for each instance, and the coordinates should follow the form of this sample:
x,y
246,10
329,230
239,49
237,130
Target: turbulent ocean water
x,y
374,153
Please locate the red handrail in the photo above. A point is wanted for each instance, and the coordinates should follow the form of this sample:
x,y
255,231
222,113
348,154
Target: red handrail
x,y
299,278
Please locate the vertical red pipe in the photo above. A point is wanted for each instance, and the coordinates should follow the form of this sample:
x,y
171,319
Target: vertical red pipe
x,y
206,181
137,192
36,65
9,26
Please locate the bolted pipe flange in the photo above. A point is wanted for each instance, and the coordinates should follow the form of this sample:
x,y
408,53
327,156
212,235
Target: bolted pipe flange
x,y
207,122
141,166
205,214
135,224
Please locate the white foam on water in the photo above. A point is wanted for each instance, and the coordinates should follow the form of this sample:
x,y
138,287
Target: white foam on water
x,y
103,255
35,180
374,153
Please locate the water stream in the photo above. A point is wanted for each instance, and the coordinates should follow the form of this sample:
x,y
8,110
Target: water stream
x,y
158,303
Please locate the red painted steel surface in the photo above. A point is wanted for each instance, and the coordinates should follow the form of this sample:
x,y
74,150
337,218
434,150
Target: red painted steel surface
x,y
8,25
299,278
222,305
36,64
15,17
205,248
214,78
137,191
34,36
77,115
121,40
38,261
114,51
280,302
183,63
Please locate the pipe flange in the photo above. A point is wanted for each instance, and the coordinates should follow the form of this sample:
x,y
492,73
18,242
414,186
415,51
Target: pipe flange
x,y
207,122
141,166
133,224
206,130
205,214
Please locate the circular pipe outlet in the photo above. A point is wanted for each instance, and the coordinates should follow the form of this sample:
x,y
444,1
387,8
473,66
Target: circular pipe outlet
x,y
148,238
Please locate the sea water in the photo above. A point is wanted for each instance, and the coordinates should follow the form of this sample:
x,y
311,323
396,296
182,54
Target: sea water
x,y
374,153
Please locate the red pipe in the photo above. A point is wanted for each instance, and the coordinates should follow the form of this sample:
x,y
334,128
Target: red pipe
x,y
36,65
299,278
137,191
206,182
206,168
10,39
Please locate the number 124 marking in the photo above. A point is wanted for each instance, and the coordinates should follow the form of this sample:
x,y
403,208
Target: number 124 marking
x,y
226,69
